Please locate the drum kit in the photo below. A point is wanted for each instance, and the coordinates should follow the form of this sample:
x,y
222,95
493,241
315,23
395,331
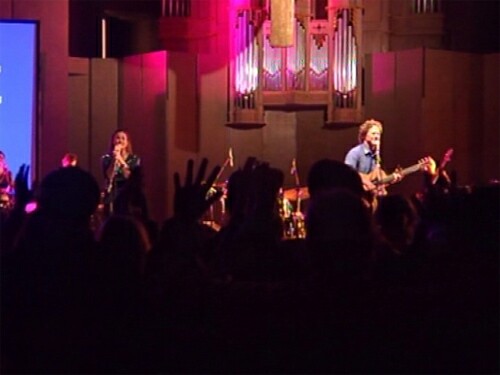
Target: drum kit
x,y
291,212
215,216
292,217
289,203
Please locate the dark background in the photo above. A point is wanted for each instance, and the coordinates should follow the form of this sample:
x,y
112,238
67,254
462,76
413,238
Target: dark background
x,y
471,26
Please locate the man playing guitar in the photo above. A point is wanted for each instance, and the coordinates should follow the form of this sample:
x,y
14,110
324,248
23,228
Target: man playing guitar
x,y
365,159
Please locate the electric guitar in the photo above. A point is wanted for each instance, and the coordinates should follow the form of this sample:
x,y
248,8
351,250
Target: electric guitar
x,y
391,178
379,178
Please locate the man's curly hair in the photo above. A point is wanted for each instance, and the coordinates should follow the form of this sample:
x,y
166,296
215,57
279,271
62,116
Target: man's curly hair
x,y
366,126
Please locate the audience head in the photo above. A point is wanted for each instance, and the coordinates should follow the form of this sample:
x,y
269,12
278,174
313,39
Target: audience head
x,y
397,219
339,228
236,190
69,193
265,185
126,242
254,191
327,174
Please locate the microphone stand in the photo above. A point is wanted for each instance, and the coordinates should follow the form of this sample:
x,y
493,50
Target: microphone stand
x,y
378,171
227,162
110,185
297,216
295,174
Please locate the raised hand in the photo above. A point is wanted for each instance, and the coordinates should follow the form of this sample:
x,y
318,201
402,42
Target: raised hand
x,y
23,193
192,200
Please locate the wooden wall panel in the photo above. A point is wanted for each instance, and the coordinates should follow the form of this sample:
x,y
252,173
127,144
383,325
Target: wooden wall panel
x,y
78,111
409,93
214,135
467,116
153,131
375,27
402,135
452,111
491,118
394,93
6,8
437,105
182,127
280,141
246,143
185,105
143,112
314,142
381,101
155,86
132,109
103,110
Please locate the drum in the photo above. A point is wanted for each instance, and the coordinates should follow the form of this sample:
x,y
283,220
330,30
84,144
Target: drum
x,y
215,217
285,207
293,220
294,226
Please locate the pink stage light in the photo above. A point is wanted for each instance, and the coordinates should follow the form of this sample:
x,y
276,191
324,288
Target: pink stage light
x,y
30,207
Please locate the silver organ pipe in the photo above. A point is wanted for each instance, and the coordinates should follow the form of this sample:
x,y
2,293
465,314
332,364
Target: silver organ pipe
x,y
295,59
318,66
253,61
345,60
301,55
323,57
350,50
176,8
272,66
246,61
343,54
351,61
335,56
426,6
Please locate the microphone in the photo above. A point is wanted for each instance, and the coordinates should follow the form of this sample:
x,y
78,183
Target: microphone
x,y
378,159
293,170
116,155
231,158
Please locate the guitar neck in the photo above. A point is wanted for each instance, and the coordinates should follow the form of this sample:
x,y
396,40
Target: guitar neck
x,y
406,171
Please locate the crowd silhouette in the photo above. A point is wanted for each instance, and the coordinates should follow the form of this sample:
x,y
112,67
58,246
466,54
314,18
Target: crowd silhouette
x,y
409,285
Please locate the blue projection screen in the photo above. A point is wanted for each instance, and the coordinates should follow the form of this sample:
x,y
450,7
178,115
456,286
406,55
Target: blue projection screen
x,y
18,78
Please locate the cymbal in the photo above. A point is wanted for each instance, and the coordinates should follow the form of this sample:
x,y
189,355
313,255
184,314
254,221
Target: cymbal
x,y
294,193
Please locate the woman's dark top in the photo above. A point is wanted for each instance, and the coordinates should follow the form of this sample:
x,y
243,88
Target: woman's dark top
x,y
118,180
